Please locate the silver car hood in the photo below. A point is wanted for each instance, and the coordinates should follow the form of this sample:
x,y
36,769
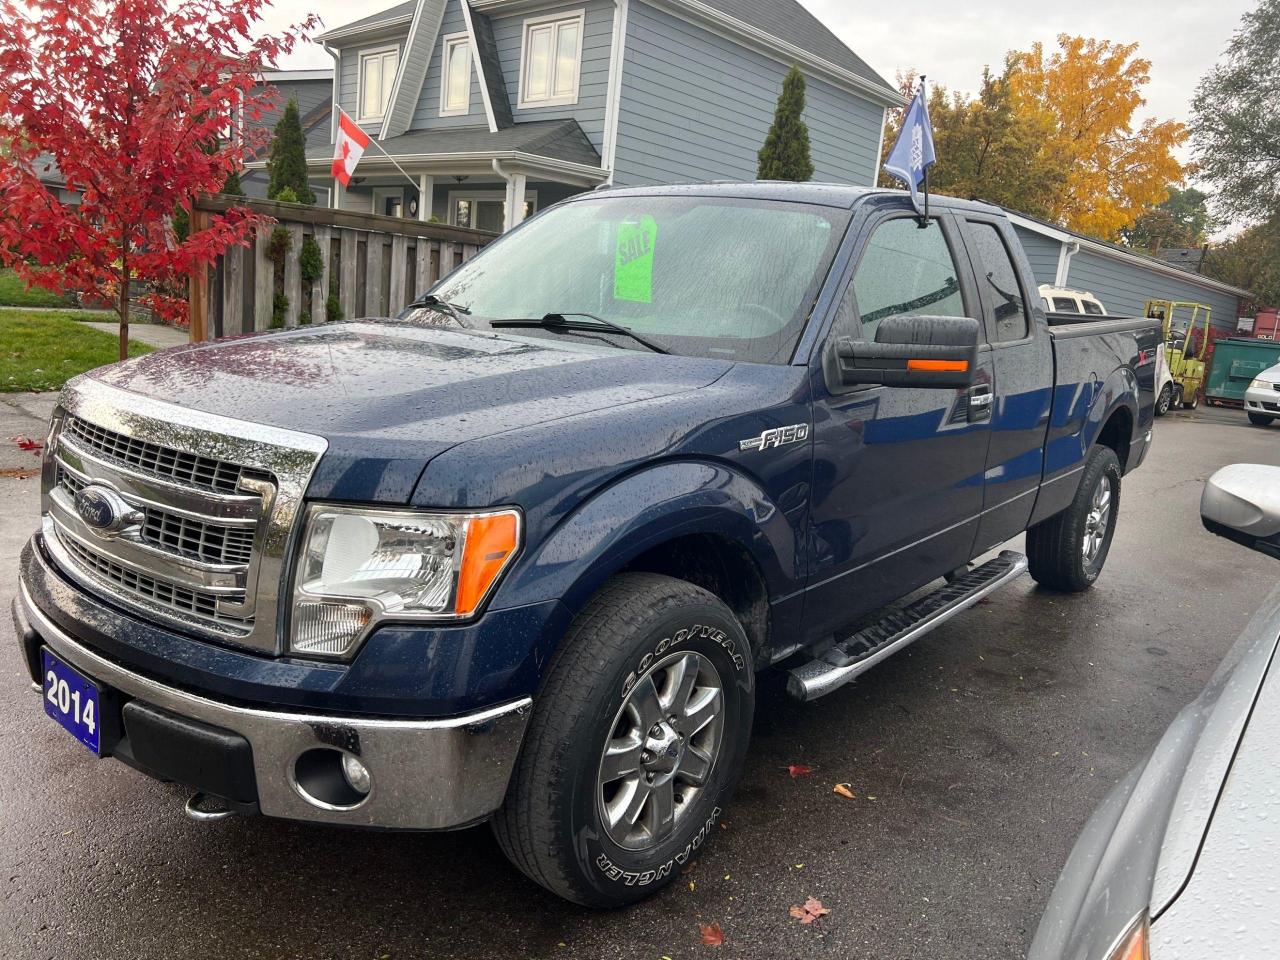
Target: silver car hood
x,y
1231,905
1138,850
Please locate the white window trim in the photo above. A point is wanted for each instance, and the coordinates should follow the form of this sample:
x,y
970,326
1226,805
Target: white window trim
x,y
446,41
524,103
497,195
361,116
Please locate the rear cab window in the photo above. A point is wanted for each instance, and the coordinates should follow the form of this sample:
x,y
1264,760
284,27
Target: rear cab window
x,y
1092,308
998,281
1066,305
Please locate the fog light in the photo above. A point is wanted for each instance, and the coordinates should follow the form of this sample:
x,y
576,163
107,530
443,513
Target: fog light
x,y
357,774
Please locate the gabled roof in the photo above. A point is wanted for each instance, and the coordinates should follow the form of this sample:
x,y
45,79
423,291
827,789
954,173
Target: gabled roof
x,y
562,140
799,27
401,12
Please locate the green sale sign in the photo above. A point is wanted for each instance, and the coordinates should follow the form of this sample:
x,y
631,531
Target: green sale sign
x,y
633,260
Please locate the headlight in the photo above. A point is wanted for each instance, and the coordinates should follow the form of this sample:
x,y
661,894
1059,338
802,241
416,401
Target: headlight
x,y
1133,945
360,566
1259,385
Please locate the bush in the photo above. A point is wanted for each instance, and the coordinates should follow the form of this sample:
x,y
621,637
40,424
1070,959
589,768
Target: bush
x,y
287,162
279,244
311,260
286,196
279,307
332,309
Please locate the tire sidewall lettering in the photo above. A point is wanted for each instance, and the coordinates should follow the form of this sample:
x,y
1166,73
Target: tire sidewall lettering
x,y
683,636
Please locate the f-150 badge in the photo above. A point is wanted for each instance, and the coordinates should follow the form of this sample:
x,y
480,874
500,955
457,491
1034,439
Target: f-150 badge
x,y
777,437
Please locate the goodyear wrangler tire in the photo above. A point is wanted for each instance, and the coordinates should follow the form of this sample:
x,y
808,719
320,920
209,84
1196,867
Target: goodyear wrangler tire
x,y
636,742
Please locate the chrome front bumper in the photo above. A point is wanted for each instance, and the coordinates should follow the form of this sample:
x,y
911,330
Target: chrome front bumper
x,y
425,774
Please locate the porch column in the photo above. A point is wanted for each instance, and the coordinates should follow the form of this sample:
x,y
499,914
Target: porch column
x,y
515,200
426,191
336,198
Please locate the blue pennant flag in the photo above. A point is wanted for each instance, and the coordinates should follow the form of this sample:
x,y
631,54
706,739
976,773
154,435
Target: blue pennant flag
x,y
912,155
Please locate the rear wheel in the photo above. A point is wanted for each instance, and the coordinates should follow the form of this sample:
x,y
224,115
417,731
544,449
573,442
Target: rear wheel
x,y
1260,419
1067,551
1165,400
636,742
1192,402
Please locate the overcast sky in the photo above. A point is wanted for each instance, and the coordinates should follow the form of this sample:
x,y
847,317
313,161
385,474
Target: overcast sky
x,y
951,42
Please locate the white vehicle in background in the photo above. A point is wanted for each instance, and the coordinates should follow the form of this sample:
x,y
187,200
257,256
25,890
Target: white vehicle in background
x,y
1065,300
1262,399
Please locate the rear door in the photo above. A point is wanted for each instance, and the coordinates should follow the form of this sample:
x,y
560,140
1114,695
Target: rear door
x,y
1022,364
897,482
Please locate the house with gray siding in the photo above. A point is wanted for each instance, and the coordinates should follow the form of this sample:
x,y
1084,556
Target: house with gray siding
x,y
484,111
1123,279
312,90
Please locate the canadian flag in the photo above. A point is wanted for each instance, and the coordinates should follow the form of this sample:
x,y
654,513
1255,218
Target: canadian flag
x,y
349,148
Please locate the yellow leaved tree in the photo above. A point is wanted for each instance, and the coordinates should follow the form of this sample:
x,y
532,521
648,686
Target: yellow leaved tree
x,y
1091,90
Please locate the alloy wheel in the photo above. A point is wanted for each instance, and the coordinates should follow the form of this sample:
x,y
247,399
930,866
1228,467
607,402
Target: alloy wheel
x,y
661,750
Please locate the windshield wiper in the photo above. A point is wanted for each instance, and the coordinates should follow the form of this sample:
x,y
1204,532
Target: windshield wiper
x,y
561,321
431,300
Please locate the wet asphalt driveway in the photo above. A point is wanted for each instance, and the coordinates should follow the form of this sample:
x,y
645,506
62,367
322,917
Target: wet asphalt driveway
x,y
975,757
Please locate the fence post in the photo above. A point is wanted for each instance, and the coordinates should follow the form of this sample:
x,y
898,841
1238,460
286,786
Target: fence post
x,y
264,279
198,294
399,274
348,245
320,289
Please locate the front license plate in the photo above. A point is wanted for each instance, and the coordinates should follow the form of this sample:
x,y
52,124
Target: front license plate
x,y
72,699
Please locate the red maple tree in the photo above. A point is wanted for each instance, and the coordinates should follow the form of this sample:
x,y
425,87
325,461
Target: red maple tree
x,y
140,106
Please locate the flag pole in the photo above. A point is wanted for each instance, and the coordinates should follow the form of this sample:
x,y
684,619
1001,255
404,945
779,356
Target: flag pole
x,y
413,182
923,95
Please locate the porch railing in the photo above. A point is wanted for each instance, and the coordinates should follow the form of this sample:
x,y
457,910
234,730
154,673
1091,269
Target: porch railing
x,y
367,266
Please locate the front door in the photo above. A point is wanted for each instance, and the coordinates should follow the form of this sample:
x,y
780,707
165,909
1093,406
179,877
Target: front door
x,y
898,471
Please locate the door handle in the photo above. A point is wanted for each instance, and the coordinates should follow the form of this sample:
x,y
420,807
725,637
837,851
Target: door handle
x,y
980,400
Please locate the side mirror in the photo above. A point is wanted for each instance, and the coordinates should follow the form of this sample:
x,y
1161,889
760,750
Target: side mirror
x,y
1242,503
912,352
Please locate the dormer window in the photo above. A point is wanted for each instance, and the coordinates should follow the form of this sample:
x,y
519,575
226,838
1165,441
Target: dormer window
x,y
550,60
376,78
455,76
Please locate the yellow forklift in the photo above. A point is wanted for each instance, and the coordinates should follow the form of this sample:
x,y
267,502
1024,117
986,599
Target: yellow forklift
x,y
1186,344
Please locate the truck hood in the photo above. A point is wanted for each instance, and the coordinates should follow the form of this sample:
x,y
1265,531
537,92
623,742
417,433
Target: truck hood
x,y
388,397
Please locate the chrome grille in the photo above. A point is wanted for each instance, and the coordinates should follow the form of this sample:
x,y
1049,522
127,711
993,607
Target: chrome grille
x,y
211,542
196,541
159,461
148,588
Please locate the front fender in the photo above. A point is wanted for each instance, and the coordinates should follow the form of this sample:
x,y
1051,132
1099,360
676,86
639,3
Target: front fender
x,y
641,511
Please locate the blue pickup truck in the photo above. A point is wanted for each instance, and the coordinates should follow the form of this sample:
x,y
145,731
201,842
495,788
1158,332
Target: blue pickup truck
x,y
519,554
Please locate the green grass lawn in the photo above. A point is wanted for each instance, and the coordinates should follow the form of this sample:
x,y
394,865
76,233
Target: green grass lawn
x,y
14,293
42,351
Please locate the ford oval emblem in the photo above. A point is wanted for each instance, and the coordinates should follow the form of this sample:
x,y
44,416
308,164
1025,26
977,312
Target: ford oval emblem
x,y
102,509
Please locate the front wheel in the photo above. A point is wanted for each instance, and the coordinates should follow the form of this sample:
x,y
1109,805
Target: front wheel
x,y
1067,551
636,743
1192,402
1165,400
1260,419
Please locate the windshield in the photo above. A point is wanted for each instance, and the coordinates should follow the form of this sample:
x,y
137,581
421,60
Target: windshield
x,y
702,276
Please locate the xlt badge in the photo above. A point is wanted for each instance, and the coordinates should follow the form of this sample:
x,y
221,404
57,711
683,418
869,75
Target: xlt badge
x,y
776,437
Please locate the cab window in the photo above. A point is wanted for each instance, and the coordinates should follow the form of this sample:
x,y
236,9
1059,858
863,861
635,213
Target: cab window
x,y
906,269
1092,309
1065,305
999,282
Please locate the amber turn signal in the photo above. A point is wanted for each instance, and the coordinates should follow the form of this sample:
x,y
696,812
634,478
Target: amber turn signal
x,y
490,543
939,366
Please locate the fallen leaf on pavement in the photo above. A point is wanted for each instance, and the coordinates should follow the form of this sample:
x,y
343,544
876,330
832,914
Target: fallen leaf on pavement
x,y
26,443
844,791
810,912
798,770
712,935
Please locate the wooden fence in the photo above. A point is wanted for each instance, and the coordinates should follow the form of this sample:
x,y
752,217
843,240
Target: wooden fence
x,y
372,265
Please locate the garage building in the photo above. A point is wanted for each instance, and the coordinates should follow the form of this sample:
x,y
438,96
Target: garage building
x,y
1122,279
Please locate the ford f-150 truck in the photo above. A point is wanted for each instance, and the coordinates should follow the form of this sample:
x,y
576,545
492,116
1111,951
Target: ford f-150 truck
x,y
518,554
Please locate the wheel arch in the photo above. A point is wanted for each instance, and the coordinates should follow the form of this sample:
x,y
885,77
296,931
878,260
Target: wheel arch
x,y
699,521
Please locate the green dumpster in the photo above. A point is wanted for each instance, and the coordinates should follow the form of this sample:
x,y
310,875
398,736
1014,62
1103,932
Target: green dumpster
x,y
1235,363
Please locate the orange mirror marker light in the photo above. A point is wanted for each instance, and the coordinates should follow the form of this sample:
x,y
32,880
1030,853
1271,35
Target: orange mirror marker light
x,y
940,366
